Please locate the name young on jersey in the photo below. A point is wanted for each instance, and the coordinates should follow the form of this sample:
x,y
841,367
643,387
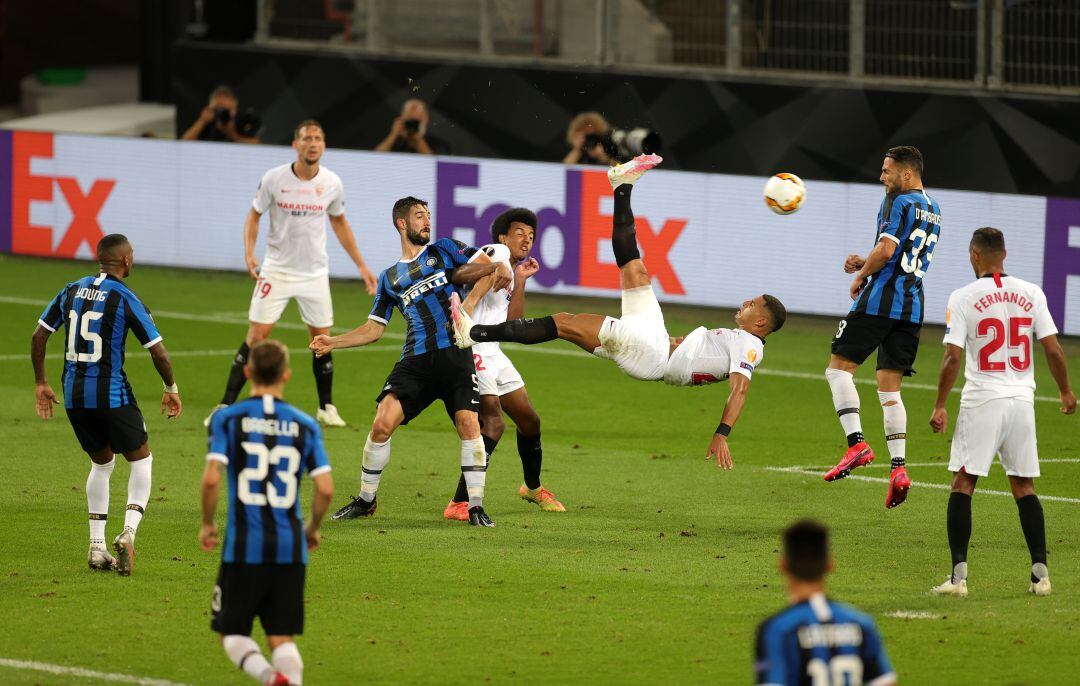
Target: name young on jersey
x,y
93,294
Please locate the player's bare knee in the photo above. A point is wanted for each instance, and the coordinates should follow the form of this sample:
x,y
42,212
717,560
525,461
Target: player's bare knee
x,y
964,483
493,426
257,333
467,424
1022,486
381,429
103,456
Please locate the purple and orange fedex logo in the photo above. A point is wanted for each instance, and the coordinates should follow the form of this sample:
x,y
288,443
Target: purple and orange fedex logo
x,y
582,225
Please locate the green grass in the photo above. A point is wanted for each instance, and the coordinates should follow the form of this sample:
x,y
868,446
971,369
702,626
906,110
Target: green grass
x,y
659,572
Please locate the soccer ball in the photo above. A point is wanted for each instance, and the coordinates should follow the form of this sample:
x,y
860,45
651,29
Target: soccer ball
x,y
784,193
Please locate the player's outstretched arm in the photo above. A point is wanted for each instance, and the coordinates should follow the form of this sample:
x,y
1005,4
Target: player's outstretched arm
x,y
480,267
320,502
877,259
210,489
368,332
718,448
1059,369
522,273
950,370
170,399
345,236
44,396
251,234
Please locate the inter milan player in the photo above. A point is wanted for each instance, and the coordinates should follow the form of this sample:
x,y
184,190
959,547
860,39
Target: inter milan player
x,y
638,341
264,445
501,386
430,368
886,316
97,312
995,319
816,640
299,197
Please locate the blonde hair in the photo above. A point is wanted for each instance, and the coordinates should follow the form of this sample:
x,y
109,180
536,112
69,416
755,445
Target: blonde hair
x,y
591,120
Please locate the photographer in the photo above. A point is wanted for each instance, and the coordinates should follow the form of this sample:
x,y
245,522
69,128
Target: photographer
x,y
589,136
409,133
219,120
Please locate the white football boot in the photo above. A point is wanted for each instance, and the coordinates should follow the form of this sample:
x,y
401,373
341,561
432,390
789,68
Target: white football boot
x,y
1042,586
956,584
629,172
210,417
99,559
463,323
328,416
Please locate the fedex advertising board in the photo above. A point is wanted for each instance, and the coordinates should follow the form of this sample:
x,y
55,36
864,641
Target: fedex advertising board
x,y
706,239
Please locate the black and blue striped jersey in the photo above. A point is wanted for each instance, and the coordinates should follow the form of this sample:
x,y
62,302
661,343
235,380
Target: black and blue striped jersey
x,y
819,641
913,220
420,288
265,444
96,313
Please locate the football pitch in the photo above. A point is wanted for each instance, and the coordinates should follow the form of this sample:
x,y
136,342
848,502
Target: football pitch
x,y
659,572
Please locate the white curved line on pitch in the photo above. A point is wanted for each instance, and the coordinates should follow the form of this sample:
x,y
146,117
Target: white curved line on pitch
x,y
85,673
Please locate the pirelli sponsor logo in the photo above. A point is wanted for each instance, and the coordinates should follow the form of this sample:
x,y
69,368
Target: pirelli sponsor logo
x,y
419,288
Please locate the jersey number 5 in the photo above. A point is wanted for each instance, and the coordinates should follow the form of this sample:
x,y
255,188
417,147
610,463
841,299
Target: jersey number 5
x,y
1018,339
265,457
92,339
914,261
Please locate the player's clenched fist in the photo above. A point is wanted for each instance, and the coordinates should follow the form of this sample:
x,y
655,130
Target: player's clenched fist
x,y
1068,402
939,420
527,268
208,537
719,449
853,263
321,344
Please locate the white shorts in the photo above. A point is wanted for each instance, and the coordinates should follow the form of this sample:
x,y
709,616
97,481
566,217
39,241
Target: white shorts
x,y
496,374
638,341
1004,426
272,294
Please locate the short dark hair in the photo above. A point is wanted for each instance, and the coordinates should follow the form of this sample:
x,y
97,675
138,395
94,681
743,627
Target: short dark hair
x,y
501,225
306,123
907,156
987,240
806,549
223,91
403,206
268,361
107,246
777,311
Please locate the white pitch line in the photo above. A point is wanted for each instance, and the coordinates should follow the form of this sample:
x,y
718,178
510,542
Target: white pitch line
x,y
825,468
920,484
912,614
85,673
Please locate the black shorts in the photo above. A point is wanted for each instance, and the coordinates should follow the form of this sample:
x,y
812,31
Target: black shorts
x,y
274,593
448,375
120,428
897,342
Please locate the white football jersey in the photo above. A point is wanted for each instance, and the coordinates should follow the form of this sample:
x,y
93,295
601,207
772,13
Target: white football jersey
x,y
994,318
296,245
710,355
493,306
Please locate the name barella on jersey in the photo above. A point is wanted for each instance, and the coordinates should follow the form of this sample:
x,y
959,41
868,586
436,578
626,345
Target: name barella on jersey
x,y
296,244
994,318
913,220
493,307
420,288
266,445
819,641
96,313
708,356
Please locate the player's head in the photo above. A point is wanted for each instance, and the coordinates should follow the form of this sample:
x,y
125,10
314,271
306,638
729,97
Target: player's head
x,y
516,229
413,220
986,250
115,252
761,315
902,169
268,364
309,141
806,552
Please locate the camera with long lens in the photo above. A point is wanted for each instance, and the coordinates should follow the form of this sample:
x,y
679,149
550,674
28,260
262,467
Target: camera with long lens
x,y
634,142
222,115
411,125
248,123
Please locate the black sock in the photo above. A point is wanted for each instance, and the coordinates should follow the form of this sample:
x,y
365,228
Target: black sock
x,y
462,493
958,520
323,368
855,438
528,331
532,456
235,384
623,234
1034,526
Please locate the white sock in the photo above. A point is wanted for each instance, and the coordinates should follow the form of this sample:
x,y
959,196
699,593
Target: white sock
x,y
287,660
138,493
376,457
474,469
97,500
845,400
245,654
895,425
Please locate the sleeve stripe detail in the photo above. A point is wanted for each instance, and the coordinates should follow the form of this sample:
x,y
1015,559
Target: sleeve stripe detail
x,y
151,344
217,457
320,470
52,330
378,319
889,236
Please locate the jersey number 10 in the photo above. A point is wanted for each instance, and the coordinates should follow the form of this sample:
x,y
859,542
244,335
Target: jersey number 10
x,y
1018,339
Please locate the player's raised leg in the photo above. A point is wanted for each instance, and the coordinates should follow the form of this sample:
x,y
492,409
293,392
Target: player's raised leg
x,y
895,418
97,501
841,377
388,417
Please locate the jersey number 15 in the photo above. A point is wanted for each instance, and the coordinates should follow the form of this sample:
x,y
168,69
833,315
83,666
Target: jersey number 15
x,y
92,339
